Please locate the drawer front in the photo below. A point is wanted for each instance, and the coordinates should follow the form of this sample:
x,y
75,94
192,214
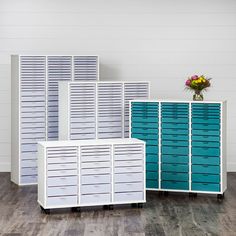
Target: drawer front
x,y
206,126
174,185
60,173
205,178
204,138
174,176
205,151
175,167
62,160
205,120
206,132
129,197
145,104
175,131
144,125
152,166
128,163
175,137
152,184
62,166
208,187
152,149
145,136
62,191
151,143
175,125
144,130
174,120
127,157
62,181
151,158
29,163
215,106
174,159
144,119
95,171
129,177
96,164
129,169
96,199
175,143
28,179
95,179
205,160
95,188
175,150
205,144
62,201
152,175
29,171
129,187
95,158
206,169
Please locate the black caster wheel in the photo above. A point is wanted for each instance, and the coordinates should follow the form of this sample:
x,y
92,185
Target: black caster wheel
x,y
75,209
160,193
134,205
192,195
45,211
166,193
220,196
140,205
105,207
110,207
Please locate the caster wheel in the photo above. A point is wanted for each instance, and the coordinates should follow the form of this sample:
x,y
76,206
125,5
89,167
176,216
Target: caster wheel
x,y
220,196
140,205
75,209
105,207
192,195
134,205
111,207
160,193
166,194
45,211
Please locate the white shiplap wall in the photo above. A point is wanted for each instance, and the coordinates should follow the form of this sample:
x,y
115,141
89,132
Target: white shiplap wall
x,y
156,40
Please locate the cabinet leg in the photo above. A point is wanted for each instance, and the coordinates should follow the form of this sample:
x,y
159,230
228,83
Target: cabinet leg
x,y
220,196
106,207
134,205
110,207
140,205
192,195
45,211
166,193
160,193
75,209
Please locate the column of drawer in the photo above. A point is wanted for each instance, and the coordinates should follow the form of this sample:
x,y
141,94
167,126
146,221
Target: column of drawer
x,y
62,176
144,123
175,146
95,175
206,147
128,173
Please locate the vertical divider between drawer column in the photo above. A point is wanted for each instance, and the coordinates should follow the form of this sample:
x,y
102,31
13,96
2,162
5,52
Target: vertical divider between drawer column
x,y
144,172
96,109
221,153
112,173
190,146
79,173
159,143
69,112
72,69
123,111
46,98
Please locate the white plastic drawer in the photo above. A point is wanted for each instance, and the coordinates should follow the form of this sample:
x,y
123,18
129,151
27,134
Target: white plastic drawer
x,y
129,169
62,181
30,179
95,179
32,125
83,130
62,201
31,114
62,191
97,164
95,171
128,177
33,120
33,109
82,136
96,158
32,135
109,129
63,159
83,126
129,187
28,155
29,147
32,93
82,119
29,171
109,135
95,199
110,124
52,173
63,166
128,163
108,119
33,104
32,98
96,188
29,163
134,156
33,130
129,197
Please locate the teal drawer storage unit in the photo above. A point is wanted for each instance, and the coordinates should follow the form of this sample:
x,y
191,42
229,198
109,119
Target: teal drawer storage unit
x,y
185,144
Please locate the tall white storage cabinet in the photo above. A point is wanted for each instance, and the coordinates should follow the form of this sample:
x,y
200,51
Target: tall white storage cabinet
x,y
91,172
89,110
35,104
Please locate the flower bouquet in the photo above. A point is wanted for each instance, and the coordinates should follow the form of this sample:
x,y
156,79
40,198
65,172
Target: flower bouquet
x,y
197,84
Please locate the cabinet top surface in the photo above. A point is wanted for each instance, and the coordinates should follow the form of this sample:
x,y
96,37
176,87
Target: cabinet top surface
x,y
91,142
179,101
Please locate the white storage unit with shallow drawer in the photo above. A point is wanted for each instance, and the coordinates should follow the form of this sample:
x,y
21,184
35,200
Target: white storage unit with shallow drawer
x,y
35,104
91,172
89,110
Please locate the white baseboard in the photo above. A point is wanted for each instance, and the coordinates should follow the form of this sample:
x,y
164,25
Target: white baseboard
x,y
5,167
231,167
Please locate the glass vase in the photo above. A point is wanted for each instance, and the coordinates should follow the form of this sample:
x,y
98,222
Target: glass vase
x,y
198,96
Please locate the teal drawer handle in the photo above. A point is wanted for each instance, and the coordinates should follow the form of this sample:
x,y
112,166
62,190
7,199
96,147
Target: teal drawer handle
x,y
204,183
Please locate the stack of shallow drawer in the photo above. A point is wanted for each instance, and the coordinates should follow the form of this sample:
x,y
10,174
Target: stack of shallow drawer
x,y
145,123
128,173
95,176
175,146
62,176
83,111
33,112
206,135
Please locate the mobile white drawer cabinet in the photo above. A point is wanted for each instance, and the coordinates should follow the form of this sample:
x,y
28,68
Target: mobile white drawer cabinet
x,y
78,173
185,144
89,110
35,104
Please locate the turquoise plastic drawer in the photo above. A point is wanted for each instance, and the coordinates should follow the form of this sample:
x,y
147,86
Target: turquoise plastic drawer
x,y
206,132
152,142
205,160
144,125
151,104
152,149
206,113
174,105
150,158
174,176
144,113
169,184
153,175
208,169
174,125
207,187
144,130
175,159
175,150
145,136
145,119
173,112
175,137
206,105
175,143
152,167
174,120
175,131
205,120
205,178
206,126
205,144
175,167
152,184
205,151
205,138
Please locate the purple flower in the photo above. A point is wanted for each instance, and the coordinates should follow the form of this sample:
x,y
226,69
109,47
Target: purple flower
x,y
194,77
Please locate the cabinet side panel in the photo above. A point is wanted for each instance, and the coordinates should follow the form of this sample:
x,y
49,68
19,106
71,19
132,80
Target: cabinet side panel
x,y
15,119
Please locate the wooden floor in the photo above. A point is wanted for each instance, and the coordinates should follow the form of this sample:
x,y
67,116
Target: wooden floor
x,y
175,214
